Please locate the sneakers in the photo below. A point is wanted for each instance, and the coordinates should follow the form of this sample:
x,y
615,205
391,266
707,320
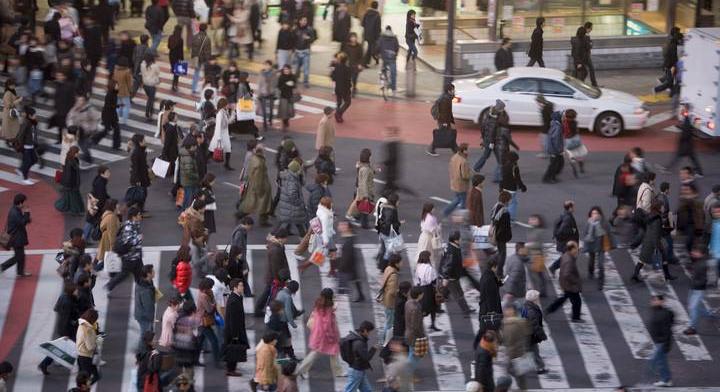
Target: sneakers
x,y
18,172
577,320
260,138
690,331
663,384
28,182
541,371
432,153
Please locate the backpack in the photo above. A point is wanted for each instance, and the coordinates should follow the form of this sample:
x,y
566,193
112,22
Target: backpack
x,y
435,109
346,348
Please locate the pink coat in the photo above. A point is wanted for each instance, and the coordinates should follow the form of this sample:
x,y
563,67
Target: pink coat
x,y
325,337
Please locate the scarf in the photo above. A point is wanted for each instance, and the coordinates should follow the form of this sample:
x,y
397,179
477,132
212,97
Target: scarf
x,y
489,347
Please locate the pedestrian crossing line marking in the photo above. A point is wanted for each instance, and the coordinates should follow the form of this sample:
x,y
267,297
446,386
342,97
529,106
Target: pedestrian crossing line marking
x,y
299,334
14,178
6,289
95,153
39,329
625,312
695,349
14,162
318,101
440,199
48,157
445,356
598,364
658,118
672,129
555,377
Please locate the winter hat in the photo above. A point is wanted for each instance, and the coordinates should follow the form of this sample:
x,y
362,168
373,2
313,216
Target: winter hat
x,y
294,167
532,295
499,106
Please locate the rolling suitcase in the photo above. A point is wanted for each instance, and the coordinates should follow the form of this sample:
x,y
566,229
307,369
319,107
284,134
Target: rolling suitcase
x,y
444,137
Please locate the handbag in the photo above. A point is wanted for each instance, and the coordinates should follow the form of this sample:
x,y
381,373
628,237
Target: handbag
x,y
420,348
180,196
208,320
394,243
246,105
5,239
160,167
58,176
537,263
523,365
180,68
365,206
318,257
112,261
218,155
606,245
14,113
436,242
219,321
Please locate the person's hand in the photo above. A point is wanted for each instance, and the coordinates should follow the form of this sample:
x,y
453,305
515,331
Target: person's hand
x,y
491,146
579,66
25,209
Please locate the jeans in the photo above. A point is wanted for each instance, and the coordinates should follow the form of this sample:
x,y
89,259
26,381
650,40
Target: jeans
x,y
456,292
156,39
196,77
696,308
124,110
302,59
149,106
513,206
483,159
266,108
392,67
659,363
87,230
84,144
207,333
284,57
389,321
457,202
357,379
575,300
412,48
145,326
539,60
29,158
598,257
188,195
18,258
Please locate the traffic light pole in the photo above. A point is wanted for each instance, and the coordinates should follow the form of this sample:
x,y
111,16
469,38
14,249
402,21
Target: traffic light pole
x,y
449,44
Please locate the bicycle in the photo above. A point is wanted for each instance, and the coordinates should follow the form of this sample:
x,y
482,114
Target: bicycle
x,y
384,76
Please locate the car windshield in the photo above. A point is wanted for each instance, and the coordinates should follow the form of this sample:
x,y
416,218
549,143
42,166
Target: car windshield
x,y
590,91
489,80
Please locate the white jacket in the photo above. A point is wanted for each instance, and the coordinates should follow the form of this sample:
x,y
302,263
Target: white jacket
x,y
326,220
221,136
86,339
645,196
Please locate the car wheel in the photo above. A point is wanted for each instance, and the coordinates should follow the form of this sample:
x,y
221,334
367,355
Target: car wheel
x,y
609,124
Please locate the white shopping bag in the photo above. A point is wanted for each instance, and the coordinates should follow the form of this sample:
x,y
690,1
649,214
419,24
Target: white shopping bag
x,y
113,263
160,167
61,350
480,237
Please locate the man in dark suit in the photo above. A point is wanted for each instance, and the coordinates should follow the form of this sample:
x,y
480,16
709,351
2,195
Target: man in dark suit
x,y
236,340
18,218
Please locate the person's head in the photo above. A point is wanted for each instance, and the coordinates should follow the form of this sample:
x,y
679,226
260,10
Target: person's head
x,y
328,110
490,336
374,5
588,27
649,178
270,338
247,222
345,228
251,145
462,149
395,260
506,43
326,299
427,209
450,89
90,315
174,303
686,173
716,190
303,21
581,32
206,285
572,248
454,237
665,187
281,235
322,179
222,103
138,140
292,286
595,213
182,382
111,205
148,272
365,328
6,368
536,220
208,180
532,296
83,381
326,202
657,300
424,257
72,153
19,199
393,199
203,27
521,249
411,15
404,288
539,22
416,293
288,368
365,155
134,214
236,286
286,70
688,191
569,206
504,197
478,180
509,310
342,57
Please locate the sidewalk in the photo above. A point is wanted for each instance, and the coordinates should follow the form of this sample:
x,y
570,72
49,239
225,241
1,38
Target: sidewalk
x,y
637,82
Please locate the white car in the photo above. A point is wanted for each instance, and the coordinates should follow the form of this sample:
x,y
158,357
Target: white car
x,y
602,110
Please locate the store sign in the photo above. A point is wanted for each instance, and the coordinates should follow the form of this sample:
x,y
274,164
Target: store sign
x,y
636,9
558,25
652,5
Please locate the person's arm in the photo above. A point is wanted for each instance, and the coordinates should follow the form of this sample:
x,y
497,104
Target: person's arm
x,y
289,313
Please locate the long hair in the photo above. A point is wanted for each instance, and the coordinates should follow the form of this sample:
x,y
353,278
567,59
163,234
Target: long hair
x,y
427,208
325,300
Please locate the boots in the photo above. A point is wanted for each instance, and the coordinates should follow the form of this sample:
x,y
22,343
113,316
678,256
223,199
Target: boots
x,y
227,161
666,273
360,297
591,267
636,274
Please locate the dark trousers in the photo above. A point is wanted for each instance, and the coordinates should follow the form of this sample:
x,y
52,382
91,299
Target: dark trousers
x,y
84,144
29,158
591,71
554,167
85,365
17,259
354,72
133,267
370,52
343,103
502,255
150,104
690,155
575,300
262,299
539,60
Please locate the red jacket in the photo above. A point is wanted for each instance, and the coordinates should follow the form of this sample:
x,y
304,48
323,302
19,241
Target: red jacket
x,y
183,277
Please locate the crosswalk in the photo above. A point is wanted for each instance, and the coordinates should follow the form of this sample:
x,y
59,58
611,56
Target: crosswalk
x,y
102,152
611,348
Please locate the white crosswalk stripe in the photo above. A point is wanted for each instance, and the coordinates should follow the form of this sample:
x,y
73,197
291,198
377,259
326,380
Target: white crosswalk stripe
x,y
445,348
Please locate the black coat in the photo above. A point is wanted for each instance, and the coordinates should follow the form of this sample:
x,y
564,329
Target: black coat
x,y
511,180
371,25
154,19
139,167
565,230
388,219
285,40
62,92
484,369
93,43
452,267
489,294
109,111
670,52
531,311
175,46
71,174
686,147
341,74
341,27
16,222
501,220
235,320
651,238
536,44
277,261
661,322
171,144
445,115
579,51
698,277
504,59
349,258
67,314
361,354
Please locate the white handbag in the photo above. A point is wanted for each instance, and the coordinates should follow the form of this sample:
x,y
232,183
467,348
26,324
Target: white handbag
x,y
160,167
113,263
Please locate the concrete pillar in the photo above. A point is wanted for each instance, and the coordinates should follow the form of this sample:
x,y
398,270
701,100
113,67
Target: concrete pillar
x,y
671,15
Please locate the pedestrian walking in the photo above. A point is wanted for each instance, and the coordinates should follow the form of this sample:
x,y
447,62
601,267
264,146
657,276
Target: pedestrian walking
x,y
176,54
588,56
579,53
564,230
646,194
109,227
139,169
511,181
670,61
150,72
167,325
474,202
288,313
489,305
575,150
88,342
668,222
598,240
414,330
430,238
388,294
485,353
442,112
17,220
207,194
84,118
235,336
516,334
206,307
11,111
70,198
412,36
534,245
27,141
546,110
188,173
685,145
145,300
266,92
137,57
185,343
258,196
660,328
324,335
341,23
530,310
129,249
501,224
285,45
497,117
240,32
388,228
372,27
200,51
154,22
451,270
425,277
388,48
515,283
305,35
570,283
123,77
354,350
459,173
342,76
221,137
287,82
277,262
325,134
290,210
364,189
698,286
504,55
66,320
535,53
266,370
109,116
354,50
652,246
348,261
554,148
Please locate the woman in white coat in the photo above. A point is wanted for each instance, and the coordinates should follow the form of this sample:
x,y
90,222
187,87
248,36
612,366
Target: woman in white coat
x,y
324,240
430,237
221,137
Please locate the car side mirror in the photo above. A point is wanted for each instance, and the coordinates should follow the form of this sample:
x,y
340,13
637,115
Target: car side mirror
x,y
579,96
